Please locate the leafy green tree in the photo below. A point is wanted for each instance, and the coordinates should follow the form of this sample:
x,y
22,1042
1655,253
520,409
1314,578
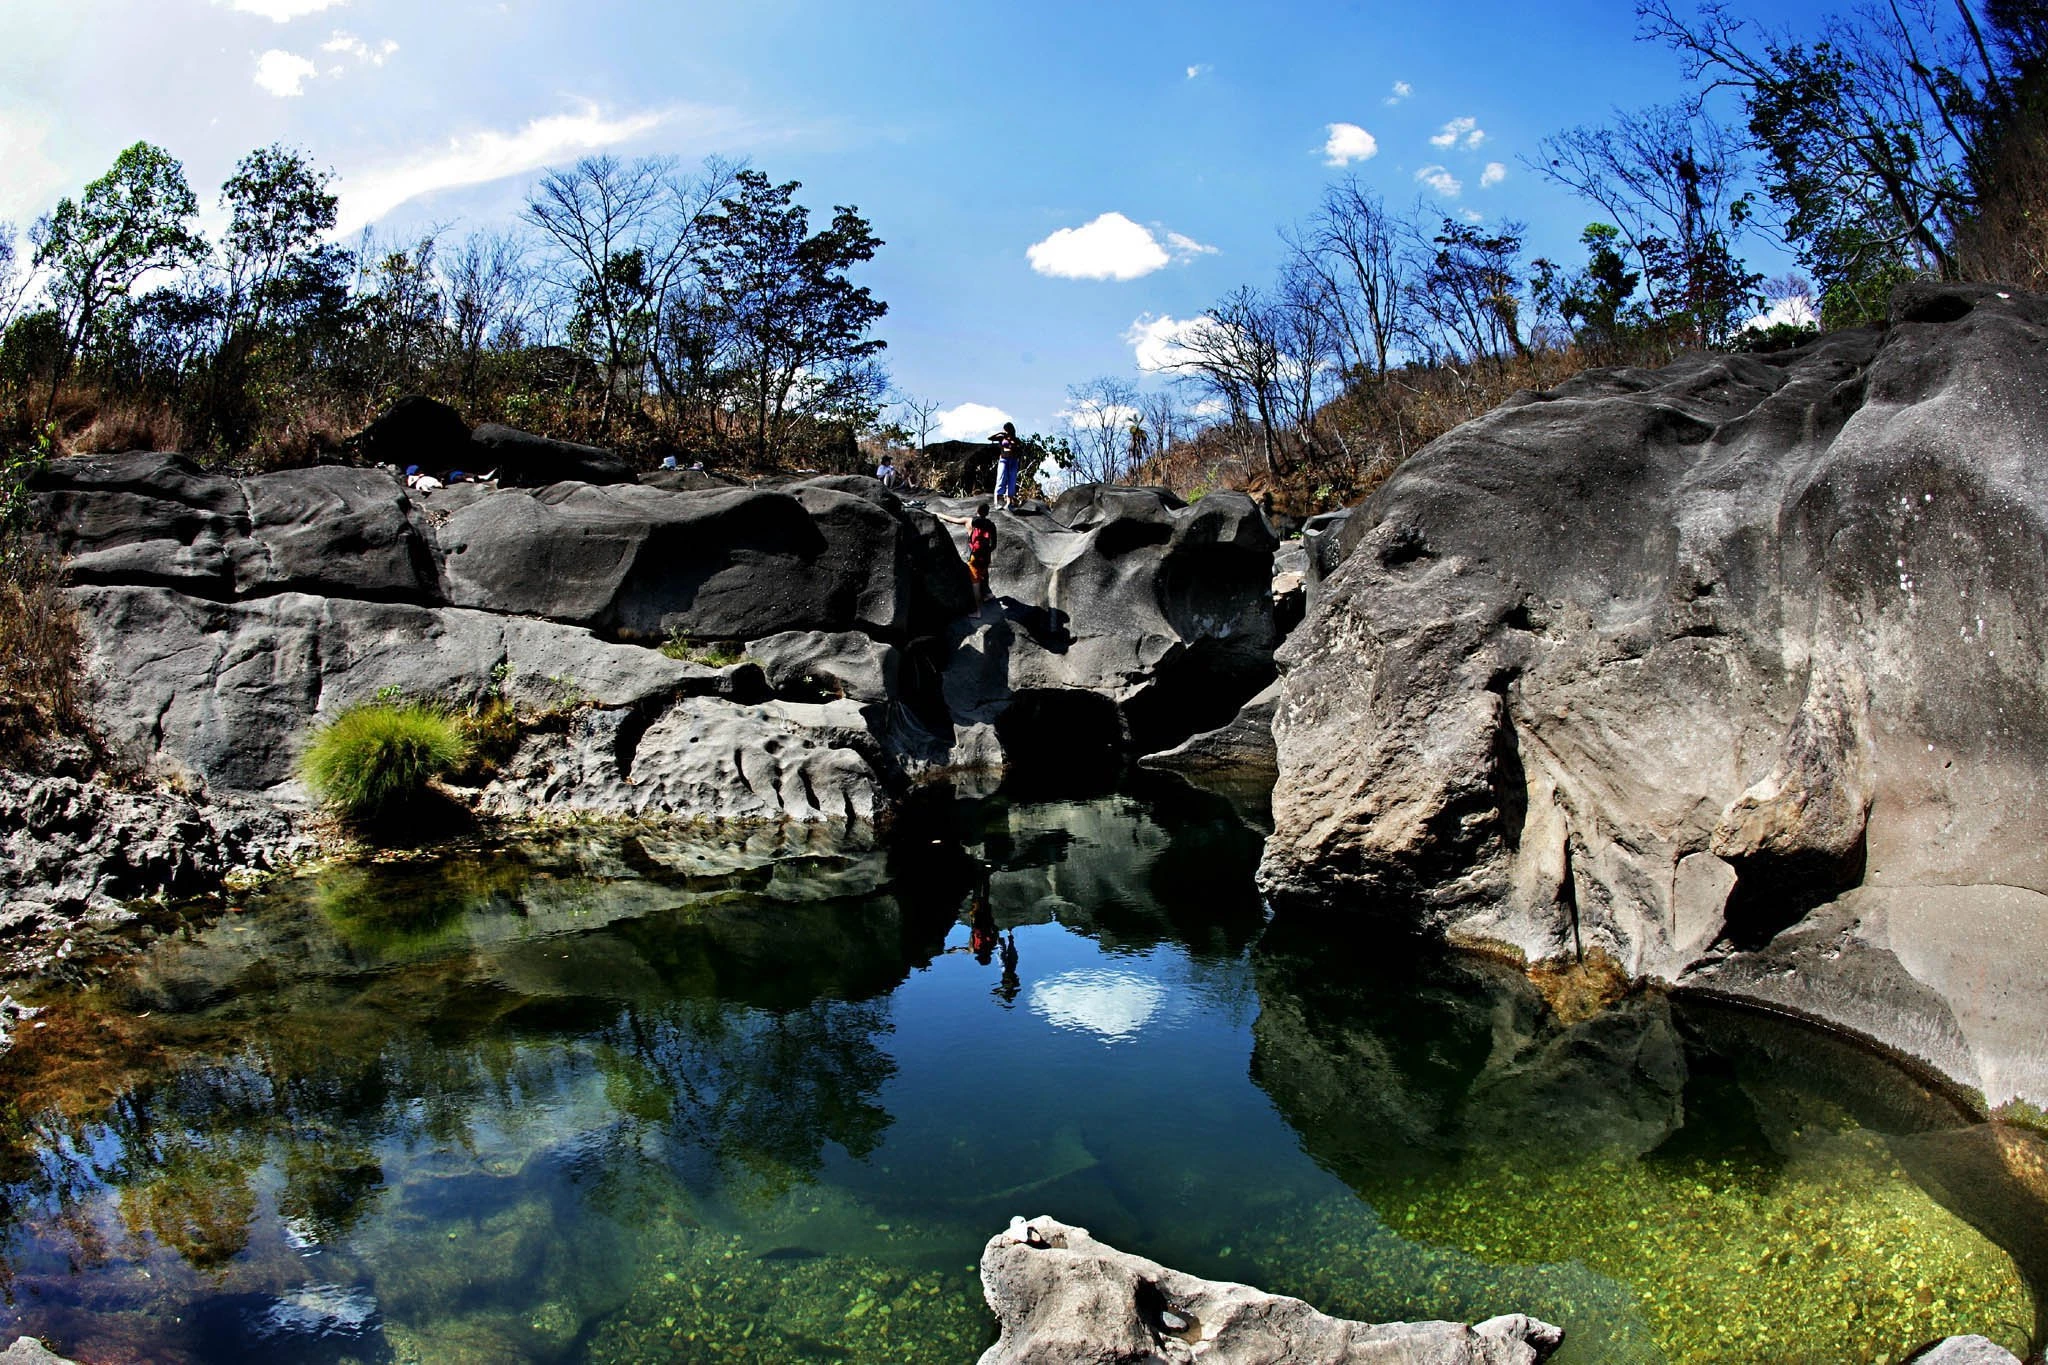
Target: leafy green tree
x,y
778,295
1873,136
129,222
1595,300
275,269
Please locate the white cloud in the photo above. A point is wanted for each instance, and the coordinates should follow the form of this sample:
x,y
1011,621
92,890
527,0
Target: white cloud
x,y
284,74
969,422
1460,131
1159,344
1441,180
348,45
1110,248
1472,215
481,157
1798,310
33,181
1093,414
1402,90
1494,173
280,11
1348,143
1199,69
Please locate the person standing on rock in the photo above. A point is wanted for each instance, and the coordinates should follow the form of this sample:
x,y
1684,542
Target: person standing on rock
x,y
981,547
1008,449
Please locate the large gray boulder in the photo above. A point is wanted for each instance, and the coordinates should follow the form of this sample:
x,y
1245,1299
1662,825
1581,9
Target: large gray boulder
x,y
1064,1298
1124,620
157,519
739,564
1658,662
521,459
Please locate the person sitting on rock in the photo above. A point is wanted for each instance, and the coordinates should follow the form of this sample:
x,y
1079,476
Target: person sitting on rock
x,y
1008,449
888,473
981,547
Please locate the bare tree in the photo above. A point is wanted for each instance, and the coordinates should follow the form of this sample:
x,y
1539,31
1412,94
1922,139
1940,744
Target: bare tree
x,y
1236,355
488,289
1164,417
1099,418
920,415
1353,249
16,278
625,237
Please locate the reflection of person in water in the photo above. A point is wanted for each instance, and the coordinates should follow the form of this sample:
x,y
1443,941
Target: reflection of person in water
x,y
1006,990
981,935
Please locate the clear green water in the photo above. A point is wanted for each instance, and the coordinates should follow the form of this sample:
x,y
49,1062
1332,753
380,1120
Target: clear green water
x,y
615,1100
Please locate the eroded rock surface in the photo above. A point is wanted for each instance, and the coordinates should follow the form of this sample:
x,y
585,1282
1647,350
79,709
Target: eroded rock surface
x,y
226,617
1064,1298
1656,662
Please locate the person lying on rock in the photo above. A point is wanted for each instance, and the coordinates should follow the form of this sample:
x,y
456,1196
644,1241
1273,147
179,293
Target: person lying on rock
x,y
981,547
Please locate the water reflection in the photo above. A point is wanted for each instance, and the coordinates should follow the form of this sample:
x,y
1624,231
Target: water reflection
x,y
602,1099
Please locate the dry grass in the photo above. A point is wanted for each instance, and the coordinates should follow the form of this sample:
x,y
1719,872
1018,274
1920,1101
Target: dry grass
x,y
115,425
1368,432
2007,242
41,692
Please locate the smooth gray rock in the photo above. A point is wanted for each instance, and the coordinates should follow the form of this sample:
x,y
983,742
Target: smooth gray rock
x,y
1951,975
1971,1350
222,694
1123,620
521,459
731,565
816,666
156,519
1656,661
1064,1298
30,1351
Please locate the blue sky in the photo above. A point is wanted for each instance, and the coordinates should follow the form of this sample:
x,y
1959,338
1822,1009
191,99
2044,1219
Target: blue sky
x,y
967,133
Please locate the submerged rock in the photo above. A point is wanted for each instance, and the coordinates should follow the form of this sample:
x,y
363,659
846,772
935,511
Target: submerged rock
x,y
1064,1298
1656,662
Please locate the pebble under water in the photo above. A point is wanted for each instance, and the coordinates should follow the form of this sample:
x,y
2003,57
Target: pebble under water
x,y
611,1098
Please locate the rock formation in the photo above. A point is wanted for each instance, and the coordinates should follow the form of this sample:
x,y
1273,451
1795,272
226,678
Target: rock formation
x,y
1064,1298
1657,663
226,616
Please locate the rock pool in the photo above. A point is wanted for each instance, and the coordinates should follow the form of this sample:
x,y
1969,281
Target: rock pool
x,y
612,1098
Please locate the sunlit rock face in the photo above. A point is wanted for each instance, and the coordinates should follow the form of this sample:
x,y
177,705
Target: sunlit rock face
x,y
1658,662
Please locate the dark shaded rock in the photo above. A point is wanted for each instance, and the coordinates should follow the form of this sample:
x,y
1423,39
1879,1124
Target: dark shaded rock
x,y
1150,622
737,565
416,430
1063,1298
691,480
1658,662
156,519
1241,752
524,460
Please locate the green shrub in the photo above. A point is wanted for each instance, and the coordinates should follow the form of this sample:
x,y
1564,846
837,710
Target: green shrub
x,y
376,758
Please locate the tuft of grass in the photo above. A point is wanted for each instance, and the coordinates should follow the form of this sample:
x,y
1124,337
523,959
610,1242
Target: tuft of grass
x,y
710,653
376,759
